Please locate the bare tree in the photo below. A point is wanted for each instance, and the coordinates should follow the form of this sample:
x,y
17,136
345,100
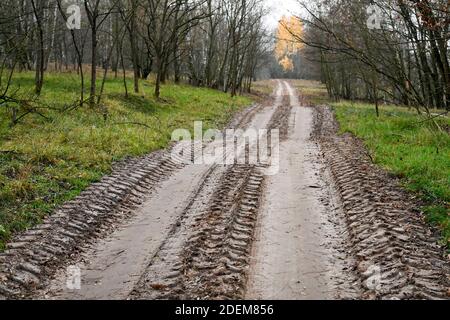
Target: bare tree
x,y
404,60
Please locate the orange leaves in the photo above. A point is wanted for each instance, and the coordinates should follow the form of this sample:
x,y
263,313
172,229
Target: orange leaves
x,y
287,64
290,29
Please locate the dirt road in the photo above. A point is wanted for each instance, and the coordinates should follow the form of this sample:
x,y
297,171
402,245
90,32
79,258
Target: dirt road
x,y
295,256
156,229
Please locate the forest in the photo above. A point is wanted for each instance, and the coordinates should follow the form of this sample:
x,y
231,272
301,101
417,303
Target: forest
x,y
383,51
212,43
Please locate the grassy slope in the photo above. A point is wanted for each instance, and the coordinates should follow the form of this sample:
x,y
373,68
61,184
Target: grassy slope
x,y
52,161
403,144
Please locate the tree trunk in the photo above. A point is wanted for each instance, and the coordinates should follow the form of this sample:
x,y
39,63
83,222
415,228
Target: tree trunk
x,y
93,66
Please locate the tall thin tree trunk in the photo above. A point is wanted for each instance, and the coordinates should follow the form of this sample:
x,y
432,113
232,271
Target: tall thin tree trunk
x,y
93,65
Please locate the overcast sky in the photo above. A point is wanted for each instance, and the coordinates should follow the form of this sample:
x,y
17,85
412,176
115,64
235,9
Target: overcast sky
x,y
278,8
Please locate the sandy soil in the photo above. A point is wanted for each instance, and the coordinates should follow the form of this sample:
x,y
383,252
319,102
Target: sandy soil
x,y
329,225
294,253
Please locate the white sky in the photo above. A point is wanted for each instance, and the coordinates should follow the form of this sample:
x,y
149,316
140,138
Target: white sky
x,y
278,8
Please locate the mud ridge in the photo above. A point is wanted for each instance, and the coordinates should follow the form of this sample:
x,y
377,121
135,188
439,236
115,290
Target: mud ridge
x,y
34,255
397,253
211,260
280,118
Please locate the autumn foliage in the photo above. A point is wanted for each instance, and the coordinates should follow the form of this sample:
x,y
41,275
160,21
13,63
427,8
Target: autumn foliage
x,y
287,46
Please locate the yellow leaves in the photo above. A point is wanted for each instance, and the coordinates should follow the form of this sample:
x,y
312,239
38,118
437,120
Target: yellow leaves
x,y
287,64
289,30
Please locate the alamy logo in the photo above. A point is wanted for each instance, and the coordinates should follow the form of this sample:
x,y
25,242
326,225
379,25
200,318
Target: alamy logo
x,y
375,17
73,278
251,147
74,19
373,281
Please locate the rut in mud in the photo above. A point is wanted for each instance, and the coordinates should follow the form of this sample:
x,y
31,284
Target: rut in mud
x,y
397,253
33,256
212,262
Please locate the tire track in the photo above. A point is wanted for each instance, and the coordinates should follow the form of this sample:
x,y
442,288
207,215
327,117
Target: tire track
x,y
207,257
34,255
297,253
207,254
397,252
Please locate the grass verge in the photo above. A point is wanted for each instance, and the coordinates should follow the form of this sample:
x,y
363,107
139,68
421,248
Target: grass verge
x,y
45,162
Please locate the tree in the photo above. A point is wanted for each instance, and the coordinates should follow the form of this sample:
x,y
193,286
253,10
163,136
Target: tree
x,y
404,60
216,43
286,46
38,11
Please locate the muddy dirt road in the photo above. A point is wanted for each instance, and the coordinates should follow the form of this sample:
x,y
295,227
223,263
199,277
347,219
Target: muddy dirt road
x,y
157,229
294,255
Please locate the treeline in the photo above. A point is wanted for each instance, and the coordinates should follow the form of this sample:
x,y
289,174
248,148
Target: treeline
x,y
213,43
384,50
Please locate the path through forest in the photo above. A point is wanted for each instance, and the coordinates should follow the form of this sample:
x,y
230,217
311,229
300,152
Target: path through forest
x,y
328,225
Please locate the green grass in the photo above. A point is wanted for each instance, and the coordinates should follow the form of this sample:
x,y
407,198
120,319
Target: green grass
x,y
51,161
416,152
